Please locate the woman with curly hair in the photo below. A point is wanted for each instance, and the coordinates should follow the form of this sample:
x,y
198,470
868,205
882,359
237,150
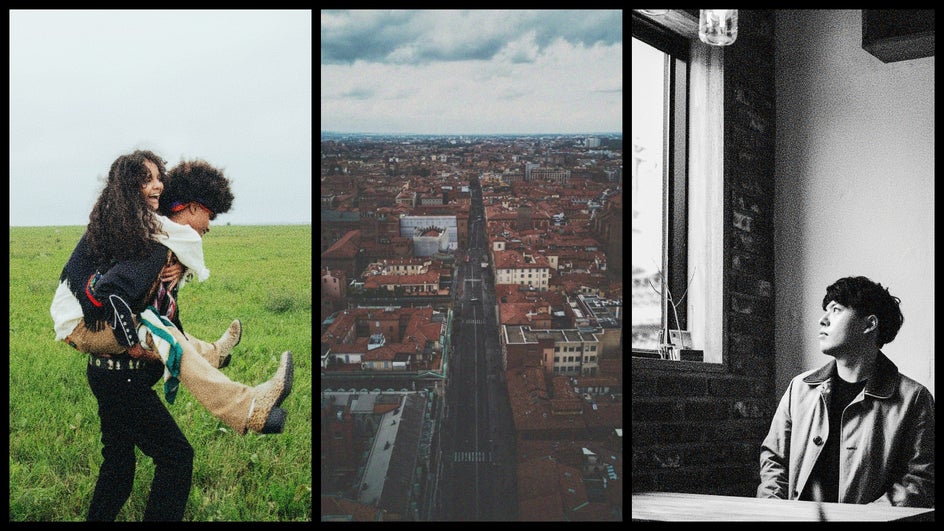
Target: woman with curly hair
x,y
121,224
114,273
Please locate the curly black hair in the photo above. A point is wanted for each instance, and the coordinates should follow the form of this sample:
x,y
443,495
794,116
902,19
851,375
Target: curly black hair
x,y
196,180
121,223
868,298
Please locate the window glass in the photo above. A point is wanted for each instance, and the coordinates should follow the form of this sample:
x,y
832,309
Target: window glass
x,y
648,115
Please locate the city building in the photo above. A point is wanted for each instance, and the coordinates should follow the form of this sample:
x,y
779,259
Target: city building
x,y
556,412
384,339
524,269
570,479
535,315
375,451
608,225
428,241
427,283
333,291
446,224
604,313
333,284
335,224
343,254
573,352
556,175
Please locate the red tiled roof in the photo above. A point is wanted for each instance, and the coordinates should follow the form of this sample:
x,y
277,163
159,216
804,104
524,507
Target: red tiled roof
x,y
419,331
518,313
431,277
384,353
342,507
515,260
545,508
346,247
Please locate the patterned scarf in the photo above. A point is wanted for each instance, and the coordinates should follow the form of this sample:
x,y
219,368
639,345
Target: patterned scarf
x,y
167,348
164,300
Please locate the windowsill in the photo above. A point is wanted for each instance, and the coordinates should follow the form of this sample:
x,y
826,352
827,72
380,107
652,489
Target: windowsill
x,y
684,366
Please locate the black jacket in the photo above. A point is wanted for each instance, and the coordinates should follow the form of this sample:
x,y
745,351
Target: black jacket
x,y
116,292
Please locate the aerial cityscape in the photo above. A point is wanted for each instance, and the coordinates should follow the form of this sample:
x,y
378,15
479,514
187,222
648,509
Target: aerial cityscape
x,y
471,316
471,265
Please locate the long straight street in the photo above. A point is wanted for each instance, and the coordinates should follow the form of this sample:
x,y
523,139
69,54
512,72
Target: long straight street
x,y
478,448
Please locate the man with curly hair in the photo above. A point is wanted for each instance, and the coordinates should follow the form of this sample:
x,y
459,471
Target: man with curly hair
x,y
855,430
193,195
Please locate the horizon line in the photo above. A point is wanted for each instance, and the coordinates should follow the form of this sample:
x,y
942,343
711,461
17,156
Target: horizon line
x,y
469,134
218,225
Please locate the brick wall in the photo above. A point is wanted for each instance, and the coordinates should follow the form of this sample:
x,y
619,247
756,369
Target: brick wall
x,y
699,430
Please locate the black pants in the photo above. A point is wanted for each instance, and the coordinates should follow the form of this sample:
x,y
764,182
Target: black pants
x,y
132,415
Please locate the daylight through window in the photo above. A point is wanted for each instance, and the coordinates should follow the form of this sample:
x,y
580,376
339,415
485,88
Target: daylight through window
x,y
648,131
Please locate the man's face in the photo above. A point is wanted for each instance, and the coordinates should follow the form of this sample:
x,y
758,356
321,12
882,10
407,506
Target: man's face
x,y
195,215
843,331
200,218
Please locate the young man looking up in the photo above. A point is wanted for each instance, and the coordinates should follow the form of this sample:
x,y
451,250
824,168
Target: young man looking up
x,y
856,427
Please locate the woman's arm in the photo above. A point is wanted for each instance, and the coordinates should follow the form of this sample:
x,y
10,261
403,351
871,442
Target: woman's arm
x,y
123,290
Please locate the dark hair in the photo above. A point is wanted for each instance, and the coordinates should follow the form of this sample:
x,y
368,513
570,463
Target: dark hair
x,y
196,180
121,223
868,298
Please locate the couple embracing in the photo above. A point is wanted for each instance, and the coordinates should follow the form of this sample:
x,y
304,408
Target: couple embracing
x,y
117,303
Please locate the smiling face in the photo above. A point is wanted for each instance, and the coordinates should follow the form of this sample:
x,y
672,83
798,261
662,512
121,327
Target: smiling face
x,y
843,331
153,188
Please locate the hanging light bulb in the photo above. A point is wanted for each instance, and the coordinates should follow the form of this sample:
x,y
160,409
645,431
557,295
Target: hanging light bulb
x,y
718,27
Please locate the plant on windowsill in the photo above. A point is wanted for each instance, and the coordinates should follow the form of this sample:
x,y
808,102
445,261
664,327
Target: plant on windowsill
x,y
675,344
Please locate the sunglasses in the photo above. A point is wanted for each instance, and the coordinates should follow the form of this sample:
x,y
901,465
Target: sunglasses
x,y
209,212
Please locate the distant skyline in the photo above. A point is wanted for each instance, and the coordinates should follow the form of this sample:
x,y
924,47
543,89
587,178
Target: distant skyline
x,y
477,72
230,86
367,133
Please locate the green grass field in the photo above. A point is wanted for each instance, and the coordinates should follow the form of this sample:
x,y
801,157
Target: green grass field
x,y
259,274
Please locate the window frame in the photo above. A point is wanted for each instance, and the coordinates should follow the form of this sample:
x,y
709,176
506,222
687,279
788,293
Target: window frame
x,y
709,203
674,163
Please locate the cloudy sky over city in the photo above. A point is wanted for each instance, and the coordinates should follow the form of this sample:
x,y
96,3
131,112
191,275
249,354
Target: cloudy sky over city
x,y
231,87
472,72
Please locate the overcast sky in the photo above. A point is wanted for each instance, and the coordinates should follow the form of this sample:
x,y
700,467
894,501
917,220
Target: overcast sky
x,y
231,87
472,72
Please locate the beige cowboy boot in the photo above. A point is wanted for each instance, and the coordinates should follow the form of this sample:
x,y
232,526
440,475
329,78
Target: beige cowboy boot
x,y
227,341
265,415
238,405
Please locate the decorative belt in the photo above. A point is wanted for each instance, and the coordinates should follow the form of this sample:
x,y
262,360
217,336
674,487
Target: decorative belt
x,y
116,364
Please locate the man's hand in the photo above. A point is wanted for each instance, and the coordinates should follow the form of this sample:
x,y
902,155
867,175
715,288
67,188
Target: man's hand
x,y
137,352
171,273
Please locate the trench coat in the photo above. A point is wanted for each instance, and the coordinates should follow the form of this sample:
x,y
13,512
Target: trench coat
x,y
886,445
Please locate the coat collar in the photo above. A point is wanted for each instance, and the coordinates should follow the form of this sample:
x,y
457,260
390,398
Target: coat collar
x,y
882,384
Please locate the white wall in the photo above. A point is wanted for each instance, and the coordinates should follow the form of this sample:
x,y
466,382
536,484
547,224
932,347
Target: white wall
x,y
854,185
